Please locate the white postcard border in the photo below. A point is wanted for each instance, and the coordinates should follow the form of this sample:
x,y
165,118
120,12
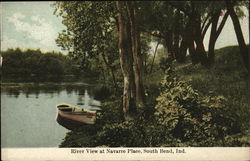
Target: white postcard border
x,y
190,153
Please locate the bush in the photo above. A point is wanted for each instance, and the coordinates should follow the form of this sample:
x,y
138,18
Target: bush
x,y
191,118
117,134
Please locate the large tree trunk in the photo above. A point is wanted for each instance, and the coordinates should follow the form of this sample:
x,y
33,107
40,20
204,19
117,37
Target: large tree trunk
x,y
212,39
200,49
136,46
180,56
183,48
215,32
243,47
199,56
187,39
193,34
126,62
192,52
169,43
132,84
200,52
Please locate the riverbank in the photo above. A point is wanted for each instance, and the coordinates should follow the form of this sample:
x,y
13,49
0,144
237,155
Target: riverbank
x,y
226,82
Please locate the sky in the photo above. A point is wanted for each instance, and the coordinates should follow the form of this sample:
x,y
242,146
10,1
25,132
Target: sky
x,y
29,25
33,25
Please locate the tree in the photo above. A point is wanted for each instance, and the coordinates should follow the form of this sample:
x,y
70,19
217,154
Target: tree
x,y
89,35
152,64
30,62
136,50
91,27
214,34
183,25
126,61
164,22
243,48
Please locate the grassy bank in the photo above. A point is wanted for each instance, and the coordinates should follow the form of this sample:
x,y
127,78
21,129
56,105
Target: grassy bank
x,y
228,77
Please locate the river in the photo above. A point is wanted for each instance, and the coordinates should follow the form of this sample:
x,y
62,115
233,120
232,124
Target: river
x,y
28,112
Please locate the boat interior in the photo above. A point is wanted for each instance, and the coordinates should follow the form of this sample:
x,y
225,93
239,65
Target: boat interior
x,y
68,108
65,108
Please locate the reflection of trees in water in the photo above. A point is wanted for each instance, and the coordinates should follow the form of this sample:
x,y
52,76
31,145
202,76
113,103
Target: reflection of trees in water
x,y
81,96
13,92
50,89
16,91
85,96
69,90
27,95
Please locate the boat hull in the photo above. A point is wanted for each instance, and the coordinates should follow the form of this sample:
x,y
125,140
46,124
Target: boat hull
x,y
74,120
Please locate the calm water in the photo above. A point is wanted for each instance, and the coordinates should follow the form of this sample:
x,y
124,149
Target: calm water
x,y
28,113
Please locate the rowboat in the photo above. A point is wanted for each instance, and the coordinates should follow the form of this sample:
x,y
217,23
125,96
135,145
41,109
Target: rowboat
x,y
72,117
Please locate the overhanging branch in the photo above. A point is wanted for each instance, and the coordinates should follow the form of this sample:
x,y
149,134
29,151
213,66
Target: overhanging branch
x,y
222,24
205,29
158,35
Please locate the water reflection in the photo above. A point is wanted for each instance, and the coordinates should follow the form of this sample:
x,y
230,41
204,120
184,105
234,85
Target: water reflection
x,y
27,89
28,112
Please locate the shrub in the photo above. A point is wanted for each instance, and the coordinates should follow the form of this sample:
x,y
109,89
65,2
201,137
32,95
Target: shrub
x,y
191,118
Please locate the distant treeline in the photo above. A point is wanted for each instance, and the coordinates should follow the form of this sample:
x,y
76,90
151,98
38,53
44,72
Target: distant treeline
x,y
32,62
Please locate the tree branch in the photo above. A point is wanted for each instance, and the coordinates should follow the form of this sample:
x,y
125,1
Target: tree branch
x,y
203,25
153,34
222,24
203,33
179,8
154,56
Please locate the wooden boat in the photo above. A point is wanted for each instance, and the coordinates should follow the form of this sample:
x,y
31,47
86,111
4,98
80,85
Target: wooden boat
x,y
72,117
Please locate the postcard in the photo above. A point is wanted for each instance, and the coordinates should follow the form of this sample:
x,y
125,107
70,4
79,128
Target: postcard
x,y
125,80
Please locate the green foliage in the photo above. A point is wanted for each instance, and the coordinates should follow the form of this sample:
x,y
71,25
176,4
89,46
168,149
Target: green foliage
x,y
228,77
182,116
82,137
195,106
90,32
131,133
196,119
185,115
35,63
118,134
